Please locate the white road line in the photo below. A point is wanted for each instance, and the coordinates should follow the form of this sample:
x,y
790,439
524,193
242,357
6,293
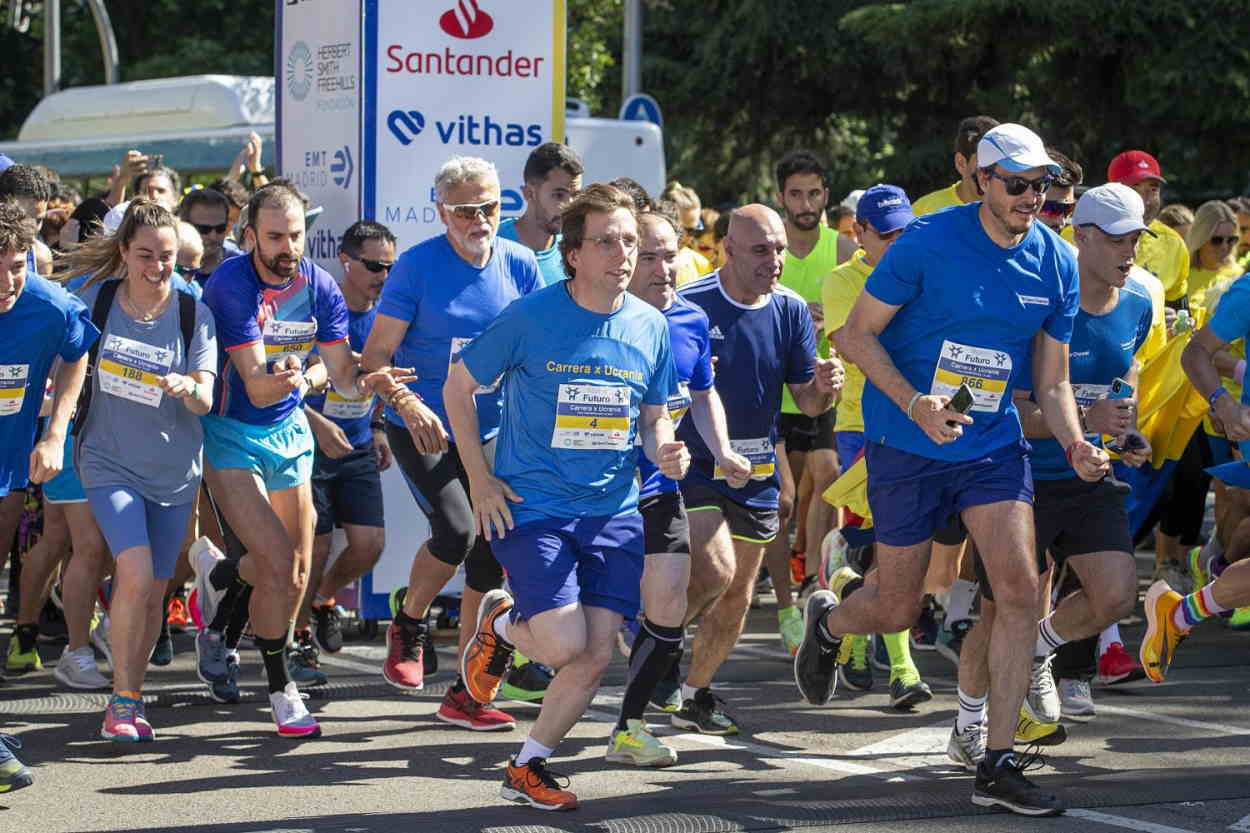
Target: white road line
x,y
917,748
1222,728
791,756
1241,826
1125,822
340,661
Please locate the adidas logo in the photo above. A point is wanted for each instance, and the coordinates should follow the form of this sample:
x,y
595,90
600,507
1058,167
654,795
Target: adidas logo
x,y
716,333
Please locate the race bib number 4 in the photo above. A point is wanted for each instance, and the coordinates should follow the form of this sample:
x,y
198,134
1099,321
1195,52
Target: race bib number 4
x,y
12,387
339,406
132,370
288,338
986,372
592,418
761,454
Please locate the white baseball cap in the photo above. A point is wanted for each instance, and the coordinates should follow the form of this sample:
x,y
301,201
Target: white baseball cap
x,y
1115,208
1016,148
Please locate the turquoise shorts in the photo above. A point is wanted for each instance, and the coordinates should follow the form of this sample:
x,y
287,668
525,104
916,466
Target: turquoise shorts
x,y
281,454
66,487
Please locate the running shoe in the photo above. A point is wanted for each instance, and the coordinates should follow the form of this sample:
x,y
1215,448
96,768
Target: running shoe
x,y
14,775
790,624
404,667
119,720
146,733
1158,646
210,656
203,557
52,626
227,691
328,627
23,651
967,748
624,637
1117,665
798,568
526,683
1240,619
907,690
429,656
177,616
1075,701
840,579
1198,577
302,663
459,709
815,663
833,552
880,654
291,716
637,746
924,632
100,638
163,650
1005,786
950,639
77,669
1029,730
1042,700
705,714
537,786
854,671
1173,572
486,659
667,694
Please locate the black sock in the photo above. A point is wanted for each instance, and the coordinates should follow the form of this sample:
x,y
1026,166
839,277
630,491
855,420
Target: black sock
x,y
656,648
223,574
26,637
228,603
458,685
851,586
238,619
993,757
408,623
273,652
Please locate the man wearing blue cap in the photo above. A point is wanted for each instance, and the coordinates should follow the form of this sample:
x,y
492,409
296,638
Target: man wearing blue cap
x,y
959,308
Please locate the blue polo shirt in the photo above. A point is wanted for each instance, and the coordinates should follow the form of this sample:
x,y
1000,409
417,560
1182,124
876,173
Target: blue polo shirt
x,y
550,261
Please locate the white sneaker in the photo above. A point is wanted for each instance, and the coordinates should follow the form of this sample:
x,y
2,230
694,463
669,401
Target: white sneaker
x,y
1075,701
1042,700
967,748
77,669
291,716
203,557
100,638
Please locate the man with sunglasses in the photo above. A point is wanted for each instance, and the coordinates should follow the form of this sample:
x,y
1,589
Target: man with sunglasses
x,y
442,294
1061,198
553,176
208,211
962,303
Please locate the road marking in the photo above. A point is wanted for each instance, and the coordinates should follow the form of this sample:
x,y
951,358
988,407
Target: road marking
x,y
338,661
1242,825
791,755
1222,728
913,749
1123,821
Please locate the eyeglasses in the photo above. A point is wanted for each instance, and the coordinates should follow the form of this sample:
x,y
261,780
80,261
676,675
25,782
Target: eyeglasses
x,y
607,243
1058,209
470,210
1017,185
1230,240
697,229
374,266
206,228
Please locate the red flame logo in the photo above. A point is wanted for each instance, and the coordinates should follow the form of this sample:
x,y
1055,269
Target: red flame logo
x,y
466,21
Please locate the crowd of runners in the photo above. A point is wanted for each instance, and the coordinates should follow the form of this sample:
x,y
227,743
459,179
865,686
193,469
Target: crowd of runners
x,y
939,424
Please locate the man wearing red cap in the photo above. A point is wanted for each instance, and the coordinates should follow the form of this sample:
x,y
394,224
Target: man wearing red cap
x,y
1165,256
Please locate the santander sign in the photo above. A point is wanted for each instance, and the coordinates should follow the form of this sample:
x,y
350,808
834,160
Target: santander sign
x,y
466,21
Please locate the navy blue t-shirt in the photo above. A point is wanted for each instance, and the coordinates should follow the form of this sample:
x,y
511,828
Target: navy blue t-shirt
x,y
351,414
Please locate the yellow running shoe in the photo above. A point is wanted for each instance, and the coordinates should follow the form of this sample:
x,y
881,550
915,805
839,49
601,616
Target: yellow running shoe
x,y
636,745
840,579
1158,646
23,652
1240,620
790,623
1029,730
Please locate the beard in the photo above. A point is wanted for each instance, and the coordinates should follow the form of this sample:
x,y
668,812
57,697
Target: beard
x,y
806,221
284,266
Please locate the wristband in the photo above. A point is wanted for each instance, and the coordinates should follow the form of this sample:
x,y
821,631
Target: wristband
x,y
1239,372
912,404
1216,394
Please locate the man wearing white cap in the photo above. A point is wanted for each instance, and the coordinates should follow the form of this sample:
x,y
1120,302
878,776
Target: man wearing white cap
x,y
1081,523
967,301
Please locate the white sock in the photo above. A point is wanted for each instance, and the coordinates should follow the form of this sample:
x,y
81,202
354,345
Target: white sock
x,y
501,627
963,594
687,692
971,711
1048,639
1111,634
532,749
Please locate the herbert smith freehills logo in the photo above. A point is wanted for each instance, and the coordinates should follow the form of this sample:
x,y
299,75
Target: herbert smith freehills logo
x,y
465,129
466,21
299,70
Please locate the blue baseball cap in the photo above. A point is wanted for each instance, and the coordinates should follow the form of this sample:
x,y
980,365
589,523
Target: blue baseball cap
x,y
885,208
5,162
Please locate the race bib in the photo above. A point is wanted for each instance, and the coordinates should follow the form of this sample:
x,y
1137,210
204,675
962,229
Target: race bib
x,y
592,418
986,372
1087,394
458,344
132,370
12,387
339,406
679,403
288,338
760,452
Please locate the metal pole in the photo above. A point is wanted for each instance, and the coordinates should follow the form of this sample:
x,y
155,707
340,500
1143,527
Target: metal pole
x,y
108,41
631,77
51,46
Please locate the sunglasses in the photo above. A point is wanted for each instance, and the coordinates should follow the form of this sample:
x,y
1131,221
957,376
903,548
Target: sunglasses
x,y
1058,209
470,210
1017,185
1231,240
374,266
204,228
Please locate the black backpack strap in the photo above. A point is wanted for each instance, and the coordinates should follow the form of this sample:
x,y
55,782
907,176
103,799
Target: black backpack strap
x,y
99,317
186,321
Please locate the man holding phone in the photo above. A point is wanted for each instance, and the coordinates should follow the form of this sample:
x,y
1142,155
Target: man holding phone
x,y
969,295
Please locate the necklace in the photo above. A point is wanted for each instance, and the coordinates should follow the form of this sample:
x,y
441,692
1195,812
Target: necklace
x,y
131,309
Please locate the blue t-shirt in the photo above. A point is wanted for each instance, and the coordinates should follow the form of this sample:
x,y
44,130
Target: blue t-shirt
x,y
46,322
968,312
1101,349
352,415
758,350
447,302
550,261
574,382
1231,319
692,358
288,320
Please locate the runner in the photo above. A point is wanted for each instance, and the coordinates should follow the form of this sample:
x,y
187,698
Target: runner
x,y
560,506
927,462
553,176
967,137
442,294
763,338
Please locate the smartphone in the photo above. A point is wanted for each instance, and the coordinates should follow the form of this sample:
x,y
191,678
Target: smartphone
x,y
1120,389
157,161
961,402
1131,443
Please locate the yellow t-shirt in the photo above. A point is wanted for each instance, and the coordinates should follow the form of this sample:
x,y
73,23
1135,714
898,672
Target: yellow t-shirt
x,y
1167,258
942,198
1201,280
805,276
839,293
1157,338
691,266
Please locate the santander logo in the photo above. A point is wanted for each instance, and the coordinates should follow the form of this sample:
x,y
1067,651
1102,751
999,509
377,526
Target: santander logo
x,y
466,21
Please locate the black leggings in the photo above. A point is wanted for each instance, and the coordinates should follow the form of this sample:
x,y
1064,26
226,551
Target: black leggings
x,y
1184,502
441,481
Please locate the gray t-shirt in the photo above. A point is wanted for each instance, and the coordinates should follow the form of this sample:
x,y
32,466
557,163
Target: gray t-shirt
x,y
135,435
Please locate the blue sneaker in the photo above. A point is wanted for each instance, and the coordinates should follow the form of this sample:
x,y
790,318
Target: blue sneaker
x,y
880,654
13,773
227,691
163,650
302,662
924,633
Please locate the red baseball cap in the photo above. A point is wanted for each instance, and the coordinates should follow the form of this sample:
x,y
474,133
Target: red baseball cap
x,y
1132,166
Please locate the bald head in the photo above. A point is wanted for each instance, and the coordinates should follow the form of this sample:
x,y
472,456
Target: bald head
x,y
755,250
754,219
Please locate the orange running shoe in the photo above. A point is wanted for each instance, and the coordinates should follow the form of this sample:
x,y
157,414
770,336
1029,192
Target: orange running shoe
x,y
537,786
1158,646
177,615
798,567
487,657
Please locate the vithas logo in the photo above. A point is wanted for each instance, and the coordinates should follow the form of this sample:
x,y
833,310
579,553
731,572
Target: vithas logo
x,y
466,21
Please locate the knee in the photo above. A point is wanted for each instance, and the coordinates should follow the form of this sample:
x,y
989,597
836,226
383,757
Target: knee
x,y
1018,596
1115,604
566,652
896,617
714,575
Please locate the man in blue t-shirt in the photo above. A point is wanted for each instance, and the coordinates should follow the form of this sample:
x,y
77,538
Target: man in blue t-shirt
x,y
966,297
441,294
553,176
587,371
764,341
1082,524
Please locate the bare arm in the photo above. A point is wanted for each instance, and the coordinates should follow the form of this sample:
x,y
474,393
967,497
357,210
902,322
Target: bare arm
x,y
658,443
195,389
47,455
265,388
1199,362
1053,393
489,494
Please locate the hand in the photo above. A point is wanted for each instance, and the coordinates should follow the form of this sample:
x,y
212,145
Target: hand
x,y
673,460
934,418
736,468
1089,461
1137,456
289,371
251,152
1235,417
785,499
490,506
1110,416
46,458
134,164
829,375
382,453
178,386
384,380
1169,318
331,438
428,433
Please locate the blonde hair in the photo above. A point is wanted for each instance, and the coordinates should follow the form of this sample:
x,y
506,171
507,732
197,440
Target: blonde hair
x,y
683,196
100,257
1206,218
1176,215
